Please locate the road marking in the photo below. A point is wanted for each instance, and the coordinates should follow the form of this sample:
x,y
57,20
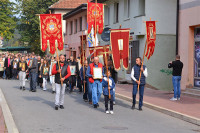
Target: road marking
x,y
10,123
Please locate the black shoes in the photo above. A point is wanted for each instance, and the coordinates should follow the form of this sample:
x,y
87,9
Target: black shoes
x,y
95,106
53,92
20,87
23,88
140,108
56,107
61,106
33,90
133,107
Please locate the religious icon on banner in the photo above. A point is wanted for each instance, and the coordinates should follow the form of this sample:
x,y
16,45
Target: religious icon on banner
x,y
151,38
51,32
45,71
95,12
73,70
97,73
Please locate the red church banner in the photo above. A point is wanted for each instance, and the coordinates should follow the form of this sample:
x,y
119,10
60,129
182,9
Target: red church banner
x,y
51,31
151,38
98,10
119,39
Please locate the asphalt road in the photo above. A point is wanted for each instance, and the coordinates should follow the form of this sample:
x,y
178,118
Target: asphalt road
x,y
34,113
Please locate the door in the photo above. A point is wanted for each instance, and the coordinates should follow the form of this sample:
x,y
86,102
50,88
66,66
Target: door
x,y
133,54
197,58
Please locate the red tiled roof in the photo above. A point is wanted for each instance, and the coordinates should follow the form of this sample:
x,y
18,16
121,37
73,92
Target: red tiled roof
x,y
67,4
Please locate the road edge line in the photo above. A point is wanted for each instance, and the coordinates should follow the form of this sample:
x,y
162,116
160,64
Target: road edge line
x,y
10,123
166,111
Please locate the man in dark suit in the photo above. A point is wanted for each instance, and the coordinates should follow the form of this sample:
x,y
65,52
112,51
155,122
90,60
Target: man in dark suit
x,y
33,69
7,65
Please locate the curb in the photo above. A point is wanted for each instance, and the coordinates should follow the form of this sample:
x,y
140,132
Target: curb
x,y
10,124
169,112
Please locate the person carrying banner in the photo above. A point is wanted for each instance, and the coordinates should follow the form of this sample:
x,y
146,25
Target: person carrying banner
x,y
22,68
135,74
60,81
87,95
96,84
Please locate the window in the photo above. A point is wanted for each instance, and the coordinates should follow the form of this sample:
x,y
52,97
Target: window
x,y
71,25
76,26
126,9
141,8
116,11
80,20
107,15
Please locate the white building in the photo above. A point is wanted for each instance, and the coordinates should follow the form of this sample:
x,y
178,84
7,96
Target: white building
x,y
132,14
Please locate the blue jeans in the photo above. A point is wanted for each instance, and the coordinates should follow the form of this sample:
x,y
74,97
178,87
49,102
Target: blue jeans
x,y
96,91
141,93
33,80
177,87
90,92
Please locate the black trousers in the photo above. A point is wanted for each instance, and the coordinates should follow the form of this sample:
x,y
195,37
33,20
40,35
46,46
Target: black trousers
x,y
79,85
14,73
1,74
85,95
8,73
72,82
106,98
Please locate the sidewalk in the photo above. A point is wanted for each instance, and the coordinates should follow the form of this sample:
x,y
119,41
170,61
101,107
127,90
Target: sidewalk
x,y
188,108
3,128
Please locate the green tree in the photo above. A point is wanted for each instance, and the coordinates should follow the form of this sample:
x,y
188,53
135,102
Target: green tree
x,y
7,20
29,23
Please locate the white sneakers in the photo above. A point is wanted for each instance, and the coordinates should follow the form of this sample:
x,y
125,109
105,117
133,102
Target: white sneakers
x,y
173,99
111,112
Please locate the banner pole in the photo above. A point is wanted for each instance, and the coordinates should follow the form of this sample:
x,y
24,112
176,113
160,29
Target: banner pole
x,y
142,63
106,62
83,63
95,31
58,62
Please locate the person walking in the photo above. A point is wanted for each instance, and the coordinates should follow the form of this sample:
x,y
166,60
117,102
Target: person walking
x,y
135,74
60,81
106,92
44,74
33,69
177,66
22,68
96,84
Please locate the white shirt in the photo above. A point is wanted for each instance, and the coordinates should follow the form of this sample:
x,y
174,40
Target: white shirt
x,y
132,74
